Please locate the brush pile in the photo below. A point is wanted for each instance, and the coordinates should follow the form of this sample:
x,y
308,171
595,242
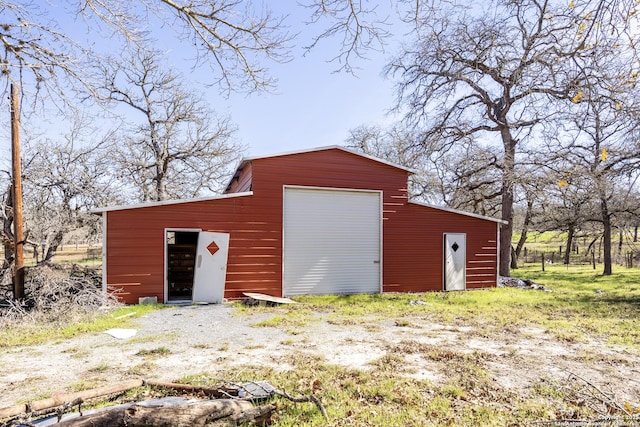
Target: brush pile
x,y
512,282
55,293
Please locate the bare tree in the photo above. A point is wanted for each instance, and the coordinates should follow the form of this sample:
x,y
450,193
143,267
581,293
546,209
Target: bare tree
x,y
397,145
361,25
563,206
35,52
6,233
530,199
600,142
607,155
470,177
524,228
174,146
234,38
63,180
492,76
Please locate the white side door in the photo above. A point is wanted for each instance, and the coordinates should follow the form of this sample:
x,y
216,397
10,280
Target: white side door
x,y
211,267
455,259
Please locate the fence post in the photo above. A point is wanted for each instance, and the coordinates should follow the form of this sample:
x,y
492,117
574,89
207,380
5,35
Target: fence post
x,y
542,257
626,259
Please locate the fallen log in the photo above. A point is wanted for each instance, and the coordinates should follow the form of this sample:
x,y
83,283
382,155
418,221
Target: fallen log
x,y
232,406
84,395
64,399
200,413
260,415
212,392
12,411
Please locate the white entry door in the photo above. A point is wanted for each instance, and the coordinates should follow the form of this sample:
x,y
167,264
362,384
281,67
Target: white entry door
x,y
455,259
211,267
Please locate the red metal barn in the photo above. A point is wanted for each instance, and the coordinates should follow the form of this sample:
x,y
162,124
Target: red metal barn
x,y
322,221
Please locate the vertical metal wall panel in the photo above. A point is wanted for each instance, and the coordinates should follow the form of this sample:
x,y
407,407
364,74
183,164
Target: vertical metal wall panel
x,y
331,242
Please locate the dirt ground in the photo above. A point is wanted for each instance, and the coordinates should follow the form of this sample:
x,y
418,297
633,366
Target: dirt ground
x,y
172,343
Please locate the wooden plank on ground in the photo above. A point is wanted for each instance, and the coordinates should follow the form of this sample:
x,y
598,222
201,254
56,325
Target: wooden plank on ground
x,y
268,298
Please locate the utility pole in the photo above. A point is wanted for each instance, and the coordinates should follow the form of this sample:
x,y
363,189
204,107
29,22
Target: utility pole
x,y
18,233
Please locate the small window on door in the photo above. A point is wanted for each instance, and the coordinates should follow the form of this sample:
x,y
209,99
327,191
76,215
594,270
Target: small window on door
x,y
171,237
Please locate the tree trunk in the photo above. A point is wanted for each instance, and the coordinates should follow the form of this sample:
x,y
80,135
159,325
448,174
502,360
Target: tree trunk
x,y
201,413
7,229
506,230
161,189
53,246
66,399
620,242
570,233
514,259
36,253
515,255
606,243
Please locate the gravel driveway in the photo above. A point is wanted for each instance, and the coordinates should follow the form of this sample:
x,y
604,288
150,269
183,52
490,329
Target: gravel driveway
x,y
196,337
175,342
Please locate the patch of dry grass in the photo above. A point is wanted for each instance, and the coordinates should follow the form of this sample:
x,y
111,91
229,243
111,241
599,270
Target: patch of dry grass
x,y
61,303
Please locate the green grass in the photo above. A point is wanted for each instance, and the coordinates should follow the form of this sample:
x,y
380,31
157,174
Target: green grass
x,y
547,237
582,305
142,369
293,322
550,243
605,306
86,384
154,352
384,396
25,333
102,367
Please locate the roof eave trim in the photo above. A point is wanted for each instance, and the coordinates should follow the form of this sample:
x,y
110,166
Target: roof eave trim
x,y
170,202
330,147
456,211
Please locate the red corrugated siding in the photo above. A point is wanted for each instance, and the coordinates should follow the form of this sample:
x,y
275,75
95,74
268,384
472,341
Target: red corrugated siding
x,y
135,254
242,180
412,234
413,249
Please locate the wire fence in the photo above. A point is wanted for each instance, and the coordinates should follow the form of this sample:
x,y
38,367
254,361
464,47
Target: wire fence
x,y
627,259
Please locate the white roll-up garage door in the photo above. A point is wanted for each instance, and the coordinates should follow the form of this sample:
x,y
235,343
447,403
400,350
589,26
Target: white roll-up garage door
x,y
332,241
